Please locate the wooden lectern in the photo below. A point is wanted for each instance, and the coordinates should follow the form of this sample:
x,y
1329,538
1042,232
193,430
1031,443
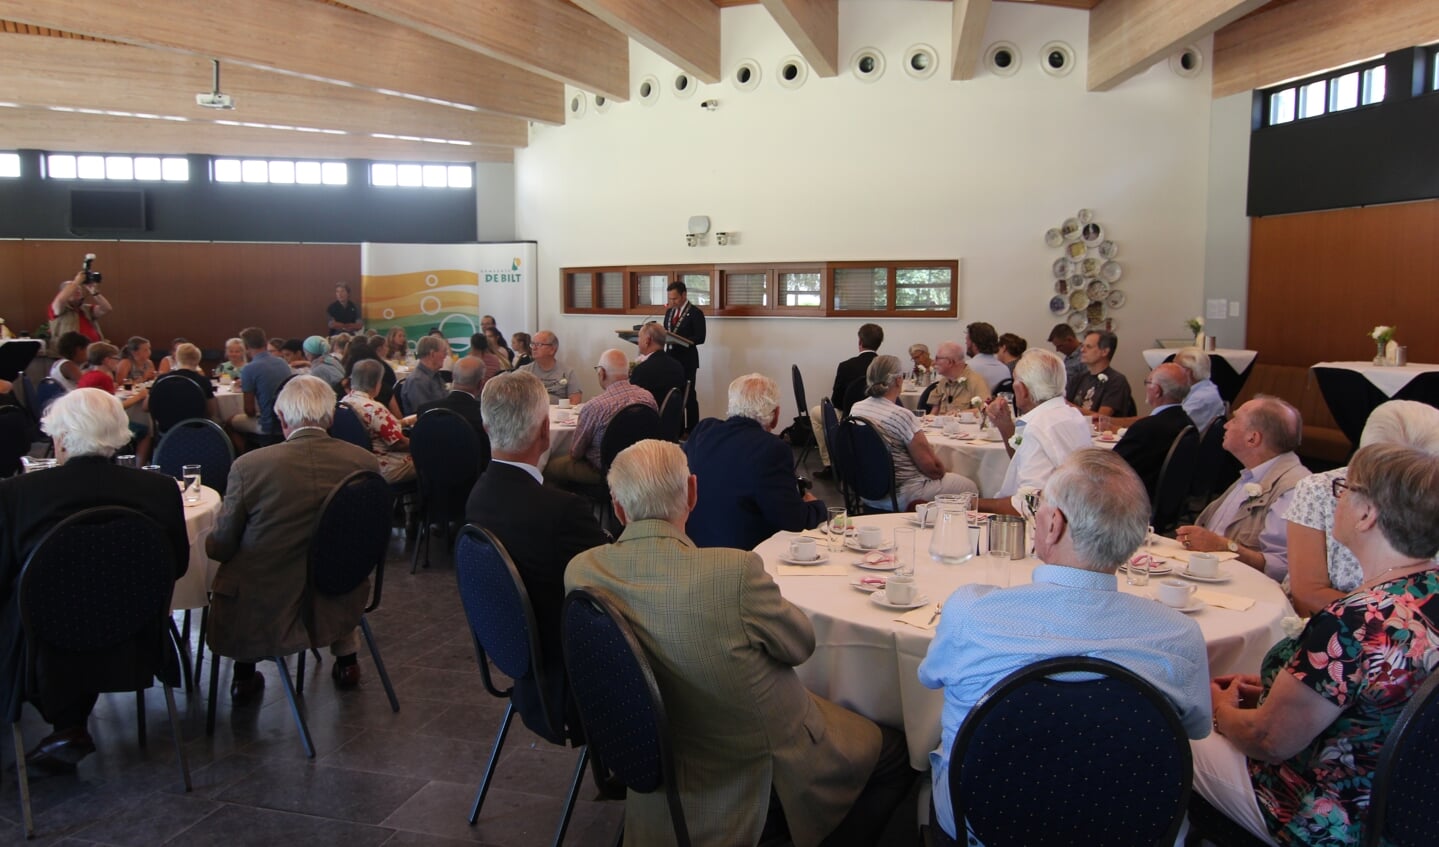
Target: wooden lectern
x,y
633,337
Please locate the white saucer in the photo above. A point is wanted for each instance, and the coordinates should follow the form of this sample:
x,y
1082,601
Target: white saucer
x,y
882,566
854,545
1162,570
818,560
1223,576
867,588
879,599
1194,605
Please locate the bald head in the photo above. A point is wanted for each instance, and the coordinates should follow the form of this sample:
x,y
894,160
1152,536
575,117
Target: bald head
x,y
614,367
652,338
468,373
949,359
1170,383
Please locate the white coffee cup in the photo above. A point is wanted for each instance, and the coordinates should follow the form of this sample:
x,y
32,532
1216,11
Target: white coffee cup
x,y
803,550
900,590
1204,564
565,403
991,434
1172,592
870,536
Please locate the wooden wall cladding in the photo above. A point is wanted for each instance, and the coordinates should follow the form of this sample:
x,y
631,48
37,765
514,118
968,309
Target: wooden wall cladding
x,y
1319,282
206,292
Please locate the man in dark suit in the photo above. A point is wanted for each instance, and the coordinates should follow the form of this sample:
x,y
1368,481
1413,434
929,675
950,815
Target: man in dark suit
x,y
684,319
1147,442
747,489
88,426
849,374
659,372
463,399
541,528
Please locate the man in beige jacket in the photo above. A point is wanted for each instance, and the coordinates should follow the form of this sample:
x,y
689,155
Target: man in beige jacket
x,y
723,644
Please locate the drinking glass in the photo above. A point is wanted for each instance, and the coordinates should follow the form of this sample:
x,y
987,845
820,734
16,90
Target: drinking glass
x,y
190,474
155,468
836,527
127,461
1102,423
904,551
1136,573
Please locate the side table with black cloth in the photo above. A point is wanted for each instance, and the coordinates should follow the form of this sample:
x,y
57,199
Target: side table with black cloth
x,y
1350,398
689,322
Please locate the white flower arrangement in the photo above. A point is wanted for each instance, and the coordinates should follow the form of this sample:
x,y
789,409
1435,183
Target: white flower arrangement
x,y
564,382
1382,334
976,402
1103,378
1195,324
1292,625
1252,490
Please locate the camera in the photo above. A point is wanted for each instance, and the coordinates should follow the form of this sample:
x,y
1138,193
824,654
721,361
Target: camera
x,y
91,277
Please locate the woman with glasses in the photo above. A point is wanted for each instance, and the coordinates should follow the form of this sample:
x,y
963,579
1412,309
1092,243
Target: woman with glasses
x,y
1294,750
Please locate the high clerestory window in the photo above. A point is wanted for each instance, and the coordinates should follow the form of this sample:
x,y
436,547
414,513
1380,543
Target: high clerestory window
x,y
1340,90
281,171
9,165
411,175
120,168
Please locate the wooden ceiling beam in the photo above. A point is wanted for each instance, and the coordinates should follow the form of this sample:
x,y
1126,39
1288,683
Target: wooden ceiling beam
x,y
1298,39
685,33
65,72
967,37
548,37
813,27
1127,36
327,42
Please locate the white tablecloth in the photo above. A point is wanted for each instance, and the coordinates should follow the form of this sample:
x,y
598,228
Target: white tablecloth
x,y
868,662
562,432
1237,359
985,462
192,591
229,402
909,397
1388,379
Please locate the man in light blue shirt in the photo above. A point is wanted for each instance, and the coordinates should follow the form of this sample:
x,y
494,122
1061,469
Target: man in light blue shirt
x,y
1093,515
1203,403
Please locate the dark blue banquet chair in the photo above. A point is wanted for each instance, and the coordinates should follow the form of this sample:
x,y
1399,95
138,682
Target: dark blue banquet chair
x,y
347,426
923,404
45,394
197,441
1176,478
448,461
630,425
15,427
175,398
94,600
672,415
502,624
1407,779
619,700
1083,737
802,418
866,470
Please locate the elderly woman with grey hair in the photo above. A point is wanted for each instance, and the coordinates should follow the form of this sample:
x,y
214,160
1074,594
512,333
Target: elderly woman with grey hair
x,y
1321,569
918,473
387,441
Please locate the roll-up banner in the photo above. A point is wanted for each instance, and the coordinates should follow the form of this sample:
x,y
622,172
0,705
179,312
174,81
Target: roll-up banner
x,y
422,287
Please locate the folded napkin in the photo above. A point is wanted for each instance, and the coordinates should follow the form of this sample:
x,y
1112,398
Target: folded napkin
x,y
830,569
1224,601
922,618
1179,554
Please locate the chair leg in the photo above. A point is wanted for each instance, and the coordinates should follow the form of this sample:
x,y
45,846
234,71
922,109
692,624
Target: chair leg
x,y
200,651
379,663
182,641
24,780
179,737
574,791
295,706
421,540
300,674
140,717
489,768
214,692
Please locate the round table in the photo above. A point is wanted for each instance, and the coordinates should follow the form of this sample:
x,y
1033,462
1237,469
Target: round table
x,y
970,454
866,660
910,394
562,432
192,591
229,401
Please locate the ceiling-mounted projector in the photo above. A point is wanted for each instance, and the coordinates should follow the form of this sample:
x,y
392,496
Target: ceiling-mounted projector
x,y
214,100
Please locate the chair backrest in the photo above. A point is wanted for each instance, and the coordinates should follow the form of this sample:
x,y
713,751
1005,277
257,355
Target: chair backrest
x,y
866,466
1175,477
400,395
1081,750
348,427
798,381
672,414
829,423
351,535
923,404
618,698
14,438
174,398
197,441
630,425
1407,777
1214,467
45,394
447,459
1005,385
853,393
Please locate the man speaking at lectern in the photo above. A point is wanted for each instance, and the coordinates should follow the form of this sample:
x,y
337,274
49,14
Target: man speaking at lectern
x,y
685,320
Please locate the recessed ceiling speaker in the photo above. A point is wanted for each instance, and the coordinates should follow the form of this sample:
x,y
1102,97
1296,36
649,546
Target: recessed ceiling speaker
x,y
747,75
867,64
577,105
1002,58
1187,62
684,86
920,61
649,90
1057,58
792,72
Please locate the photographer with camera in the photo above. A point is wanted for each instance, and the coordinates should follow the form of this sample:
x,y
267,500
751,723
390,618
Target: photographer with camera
x,y
79,305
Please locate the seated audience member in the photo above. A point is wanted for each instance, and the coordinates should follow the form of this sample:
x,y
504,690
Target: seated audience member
x,y
187,365
723,644
559,380
261,603
1102,390
497,346
343,315
1047,431
135,364
541,527
657,371
922,366
918,474
1092,516
958,383
387,440
276,348
68,369
1203,404
339,343
464,399
1146,445
481,352
293,352
169,362
235,359
372,348
1011,347
520,344
583,464
1248,518
1066,343
323,363
1295,749
981,345
398,345
78,307
424,384
261,380
100,373
848,372
1321,570
88,426
747,488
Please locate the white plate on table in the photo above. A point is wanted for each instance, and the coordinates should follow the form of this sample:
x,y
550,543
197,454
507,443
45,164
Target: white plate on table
x,y
854,545
1194,606
888,565
879,599
1222,576
1160,569
818,560
869,584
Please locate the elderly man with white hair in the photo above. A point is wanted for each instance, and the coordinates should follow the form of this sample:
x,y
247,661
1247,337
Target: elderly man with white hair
x,y
657,372
1047,431
387,440
1203,403
260,601
88,426
747,487
1092,515
1146,445
958,384
723,643
583,465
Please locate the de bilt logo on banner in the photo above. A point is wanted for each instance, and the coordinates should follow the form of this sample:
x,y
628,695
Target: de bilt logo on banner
x,y
501,276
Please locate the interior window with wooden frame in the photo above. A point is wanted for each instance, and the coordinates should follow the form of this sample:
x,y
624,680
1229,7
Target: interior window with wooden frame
x,y
594,290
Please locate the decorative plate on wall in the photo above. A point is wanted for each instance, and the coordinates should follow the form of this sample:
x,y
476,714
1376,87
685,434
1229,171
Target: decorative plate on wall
x,y
1070,229
1085,215
1076,283
1079,300
1061,286
1077,321
1107,249
1110,271
1060,268
1054,237
1115,299
1097,289
1090,267
1076,250
1058,305
1085,274
1092,233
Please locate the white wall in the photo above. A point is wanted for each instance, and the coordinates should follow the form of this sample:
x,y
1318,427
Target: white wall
x,y
894,169
1226,254
495,199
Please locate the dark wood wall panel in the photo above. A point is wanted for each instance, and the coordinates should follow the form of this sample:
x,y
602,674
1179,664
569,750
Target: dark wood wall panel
x,y
206,292
1320,281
